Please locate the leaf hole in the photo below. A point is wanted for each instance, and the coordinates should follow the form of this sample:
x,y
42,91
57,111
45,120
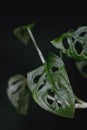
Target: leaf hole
x,y
65,43
54,69
18,89
78,47
51,93
50,101
36,79
41,86
16,81
59,103
82,34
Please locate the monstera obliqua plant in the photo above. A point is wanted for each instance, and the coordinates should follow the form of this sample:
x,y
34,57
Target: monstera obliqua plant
x,y
49,84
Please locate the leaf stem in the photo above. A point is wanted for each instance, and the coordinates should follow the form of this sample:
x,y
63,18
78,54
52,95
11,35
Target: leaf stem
x,y
36,46
80,103
51,98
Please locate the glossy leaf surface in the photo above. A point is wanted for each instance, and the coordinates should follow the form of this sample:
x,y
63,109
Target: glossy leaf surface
x,y
51,89
73,43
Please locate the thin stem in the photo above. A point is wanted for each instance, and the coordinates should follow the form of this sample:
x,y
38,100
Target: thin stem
x,y
80,103
51,98
81,106
36,46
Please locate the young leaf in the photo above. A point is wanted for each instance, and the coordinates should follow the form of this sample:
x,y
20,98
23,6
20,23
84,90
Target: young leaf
x,y
82,67
73,43
22,33
51,89
18,93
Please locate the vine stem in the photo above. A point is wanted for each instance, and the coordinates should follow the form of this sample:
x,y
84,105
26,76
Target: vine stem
x,y
36,46
80,103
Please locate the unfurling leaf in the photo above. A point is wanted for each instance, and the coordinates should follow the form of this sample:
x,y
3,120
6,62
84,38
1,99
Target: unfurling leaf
x,y
82,67
18,93
73,43
22,33
51,89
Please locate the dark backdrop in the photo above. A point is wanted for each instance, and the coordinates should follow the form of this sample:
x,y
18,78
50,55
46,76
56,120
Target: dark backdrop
x,y
15,58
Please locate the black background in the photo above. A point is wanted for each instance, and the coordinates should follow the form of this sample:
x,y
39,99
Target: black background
x,y
15,58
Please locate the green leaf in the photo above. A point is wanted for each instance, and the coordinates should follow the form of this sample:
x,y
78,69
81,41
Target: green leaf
x,y
18,93
73,43
82,67
22,33
51,89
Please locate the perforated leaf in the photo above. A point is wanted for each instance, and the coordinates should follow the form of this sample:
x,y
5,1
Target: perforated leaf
x,y
82,67
73,43
51,89
18,93
22,33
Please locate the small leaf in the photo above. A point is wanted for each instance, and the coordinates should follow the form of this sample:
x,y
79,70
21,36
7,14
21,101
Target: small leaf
x,y
82,67
18,93
51,89
73,43
22,33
